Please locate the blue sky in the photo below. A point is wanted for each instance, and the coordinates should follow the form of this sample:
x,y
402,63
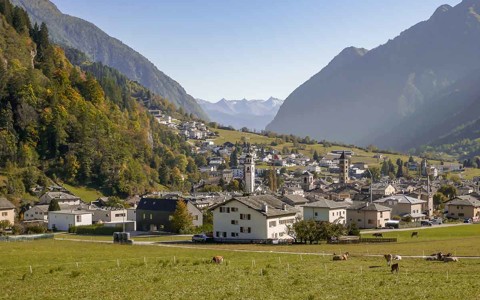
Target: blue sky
x,y
250,49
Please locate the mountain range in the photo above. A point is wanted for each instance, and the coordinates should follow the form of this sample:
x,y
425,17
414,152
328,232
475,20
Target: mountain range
x,y
73,32
394,95
253,114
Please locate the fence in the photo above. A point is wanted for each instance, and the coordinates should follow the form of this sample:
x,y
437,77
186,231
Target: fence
x,y
362,240
31,237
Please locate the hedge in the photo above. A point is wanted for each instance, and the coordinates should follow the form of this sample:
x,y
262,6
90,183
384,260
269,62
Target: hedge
x,y
96,229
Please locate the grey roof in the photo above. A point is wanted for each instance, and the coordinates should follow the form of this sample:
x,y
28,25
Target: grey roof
x,y
297,199
366,206
5,204
47,197
72,212
325,203
466,200
401,199
42,207
274,205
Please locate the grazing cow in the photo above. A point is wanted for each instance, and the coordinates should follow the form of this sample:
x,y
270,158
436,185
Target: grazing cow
x,y
431,258
450,258
395,268
415,233
378,234
388,258
448,254
440,256
397,257
341,257
217,259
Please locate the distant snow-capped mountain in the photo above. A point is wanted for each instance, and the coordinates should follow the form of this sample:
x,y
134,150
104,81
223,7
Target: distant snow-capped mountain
x,y
253,114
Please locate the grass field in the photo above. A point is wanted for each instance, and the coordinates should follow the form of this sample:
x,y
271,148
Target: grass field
x,y
83,270
85,193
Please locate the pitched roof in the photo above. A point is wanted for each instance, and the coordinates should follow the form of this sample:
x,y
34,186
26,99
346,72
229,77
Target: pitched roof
x,y
158,204
47,197
466,200
297,199
401,199
275,205
324,203
5,204
366,206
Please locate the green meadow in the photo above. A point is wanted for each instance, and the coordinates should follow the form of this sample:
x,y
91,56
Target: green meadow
x,y
64,269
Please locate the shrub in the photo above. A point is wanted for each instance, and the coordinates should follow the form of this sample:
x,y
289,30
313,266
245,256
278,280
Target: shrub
x,y
95,229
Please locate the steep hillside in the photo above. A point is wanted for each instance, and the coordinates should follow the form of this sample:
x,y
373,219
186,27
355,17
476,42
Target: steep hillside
x,y
253,114
77,33
58,121
356,100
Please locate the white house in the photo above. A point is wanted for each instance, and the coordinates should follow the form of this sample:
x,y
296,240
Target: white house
x,y
109,215
64,219
252,218
326,210
37,212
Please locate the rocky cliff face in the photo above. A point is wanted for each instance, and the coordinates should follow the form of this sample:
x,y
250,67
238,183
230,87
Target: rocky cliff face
x,y
360,93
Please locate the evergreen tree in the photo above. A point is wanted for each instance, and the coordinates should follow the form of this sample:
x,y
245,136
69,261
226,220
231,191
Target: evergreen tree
x,y
54,206
182,220
315,156
233,159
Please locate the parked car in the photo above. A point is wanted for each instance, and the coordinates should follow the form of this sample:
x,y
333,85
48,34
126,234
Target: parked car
x,y
200,238
437,221
467,220
426,223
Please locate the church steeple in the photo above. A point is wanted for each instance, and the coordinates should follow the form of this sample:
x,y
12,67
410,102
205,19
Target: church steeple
x,y
344,165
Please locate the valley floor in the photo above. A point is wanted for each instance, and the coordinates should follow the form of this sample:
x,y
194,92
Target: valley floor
x,y
62,269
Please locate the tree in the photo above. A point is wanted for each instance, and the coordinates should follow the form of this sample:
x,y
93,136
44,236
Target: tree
x,y
448,191
315,156
181,220
375,173
233,159
54,206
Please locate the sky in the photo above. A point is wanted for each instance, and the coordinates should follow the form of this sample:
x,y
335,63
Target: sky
x,y
249,49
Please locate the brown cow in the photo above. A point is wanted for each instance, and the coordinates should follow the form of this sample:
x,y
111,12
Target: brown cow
x,y
395,268
378,234
217,259
388,258
344,256
415,233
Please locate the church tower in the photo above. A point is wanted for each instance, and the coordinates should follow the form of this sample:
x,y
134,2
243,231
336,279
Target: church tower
x,y
343,162
249,174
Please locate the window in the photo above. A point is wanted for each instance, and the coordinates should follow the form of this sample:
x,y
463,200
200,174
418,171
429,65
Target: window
x,y
224,209
245,216
4,214
249,230
151,216
234,209
242,230
359,220
144,216
272,223
281,234
224,234
234,234
195,217
234,222
333,214
79,218
370,221
245,229
119,215
217,233
381,214
316,214
287,221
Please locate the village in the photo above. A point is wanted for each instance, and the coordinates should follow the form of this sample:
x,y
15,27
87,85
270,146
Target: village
x,y
251,194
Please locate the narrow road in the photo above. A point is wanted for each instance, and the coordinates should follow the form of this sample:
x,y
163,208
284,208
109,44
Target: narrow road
x,y
171,245
414,228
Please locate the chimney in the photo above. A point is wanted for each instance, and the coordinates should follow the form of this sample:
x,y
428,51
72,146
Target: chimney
x,y
265,207
284,206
